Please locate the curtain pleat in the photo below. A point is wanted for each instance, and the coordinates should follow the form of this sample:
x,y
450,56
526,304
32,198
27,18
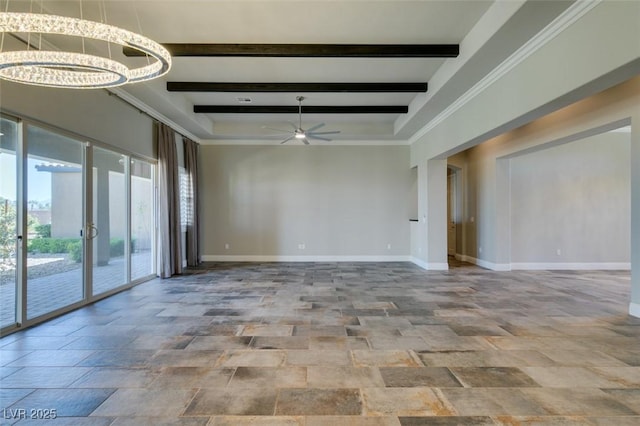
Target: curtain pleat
x,y
169,230
192,219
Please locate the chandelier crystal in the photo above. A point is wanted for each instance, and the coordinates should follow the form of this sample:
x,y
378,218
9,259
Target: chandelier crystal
x,y
72,69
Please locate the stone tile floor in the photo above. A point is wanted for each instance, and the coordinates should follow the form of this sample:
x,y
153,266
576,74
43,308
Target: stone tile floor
x,y
335,344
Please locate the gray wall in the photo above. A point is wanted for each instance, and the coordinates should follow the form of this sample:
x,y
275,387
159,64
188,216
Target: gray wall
x,y
489,233
338,201
574,198
88,113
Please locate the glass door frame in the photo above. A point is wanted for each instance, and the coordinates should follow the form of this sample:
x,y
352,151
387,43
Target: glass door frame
x,y
21,319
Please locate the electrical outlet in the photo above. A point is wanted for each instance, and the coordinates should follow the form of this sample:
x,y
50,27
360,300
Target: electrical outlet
x,y
301,246
227,246
388,246
479,249
559,252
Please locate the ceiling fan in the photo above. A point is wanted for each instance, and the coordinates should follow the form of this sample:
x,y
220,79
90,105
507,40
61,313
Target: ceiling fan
x,y
301,134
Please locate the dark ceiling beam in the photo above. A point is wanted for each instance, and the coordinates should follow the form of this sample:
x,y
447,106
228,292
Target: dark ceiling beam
x,y
306,109
310,50
197,86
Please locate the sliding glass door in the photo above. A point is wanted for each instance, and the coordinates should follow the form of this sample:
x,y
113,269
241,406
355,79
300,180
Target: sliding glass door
x,y
142,219
76,222
8,221
55,205
110,207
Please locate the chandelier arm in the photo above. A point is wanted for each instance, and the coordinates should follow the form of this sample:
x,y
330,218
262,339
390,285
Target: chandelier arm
x,y
103,16
82,19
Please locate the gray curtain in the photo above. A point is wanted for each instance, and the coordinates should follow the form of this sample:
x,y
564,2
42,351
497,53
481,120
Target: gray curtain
x,y
169,230
192,210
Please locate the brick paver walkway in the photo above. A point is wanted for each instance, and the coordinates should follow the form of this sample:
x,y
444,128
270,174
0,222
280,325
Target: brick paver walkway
x,y
48,293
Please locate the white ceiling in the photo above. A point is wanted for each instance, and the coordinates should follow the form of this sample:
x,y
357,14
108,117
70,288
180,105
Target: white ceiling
x,y
487,31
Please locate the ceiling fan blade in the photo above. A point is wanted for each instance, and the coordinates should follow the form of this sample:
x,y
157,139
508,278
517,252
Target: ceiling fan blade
x,y
287,140
319,137
305,140
334,132
317,126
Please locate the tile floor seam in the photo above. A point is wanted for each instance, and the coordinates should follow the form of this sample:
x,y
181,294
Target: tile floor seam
x,y
188,404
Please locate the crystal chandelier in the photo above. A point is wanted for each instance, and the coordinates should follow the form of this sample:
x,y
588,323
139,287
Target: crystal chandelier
x,y
72,69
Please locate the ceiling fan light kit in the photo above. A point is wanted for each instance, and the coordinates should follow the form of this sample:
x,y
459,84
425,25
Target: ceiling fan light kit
x,y
302,134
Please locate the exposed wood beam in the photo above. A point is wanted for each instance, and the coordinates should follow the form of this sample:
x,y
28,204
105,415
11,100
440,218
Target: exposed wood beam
x,y
306,109
310,50
198,86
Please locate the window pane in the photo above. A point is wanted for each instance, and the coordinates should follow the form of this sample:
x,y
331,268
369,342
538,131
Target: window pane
x,y
142,224
8,222
54,218
109,217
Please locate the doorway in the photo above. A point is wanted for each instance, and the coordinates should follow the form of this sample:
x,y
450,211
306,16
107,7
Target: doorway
x,y
453,192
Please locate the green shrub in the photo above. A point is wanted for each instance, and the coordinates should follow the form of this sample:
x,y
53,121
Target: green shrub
x,y
50,245
73,246
39,245
116,247
43,231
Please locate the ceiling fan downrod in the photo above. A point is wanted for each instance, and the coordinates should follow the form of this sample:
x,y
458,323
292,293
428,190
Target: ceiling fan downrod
x,y
300,99
299,133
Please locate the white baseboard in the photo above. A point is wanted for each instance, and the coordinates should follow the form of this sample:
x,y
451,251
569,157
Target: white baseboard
x,y
541,266
576,266
430,266
500,267
634,309
465,258
419,262
311,258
